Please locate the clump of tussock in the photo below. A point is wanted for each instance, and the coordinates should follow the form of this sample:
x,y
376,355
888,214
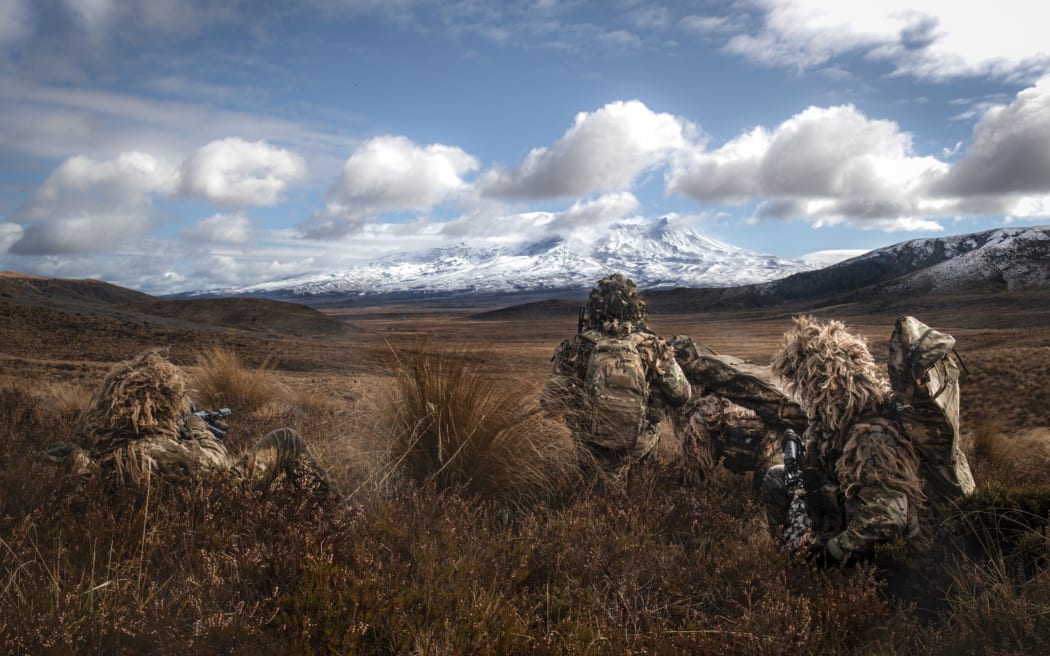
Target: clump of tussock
x,y
449,425
221,381
1000,458
67,399
146,395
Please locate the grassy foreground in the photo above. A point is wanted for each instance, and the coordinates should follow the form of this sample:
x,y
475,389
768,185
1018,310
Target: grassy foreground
x,y
468,533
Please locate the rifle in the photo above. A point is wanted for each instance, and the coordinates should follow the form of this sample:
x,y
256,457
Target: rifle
x,y
214,421
581,322
799,529
794,451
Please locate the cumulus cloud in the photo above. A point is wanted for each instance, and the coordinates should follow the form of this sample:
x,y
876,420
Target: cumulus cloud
x,y
9,234
390,174
221,269
604,150
233,228
234,172
393,173
87,205
496,223
602,210
826,164
931,40
1010,152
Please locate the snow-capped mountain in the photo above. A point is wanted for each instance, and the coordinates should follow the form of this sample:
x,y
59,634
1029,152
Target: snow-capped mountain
x,y
1006,259
654,255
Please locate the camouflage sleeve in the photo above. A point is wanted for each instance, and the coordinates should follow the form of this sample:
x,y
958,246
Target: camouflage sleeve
x,y
668,378
875,516
878,476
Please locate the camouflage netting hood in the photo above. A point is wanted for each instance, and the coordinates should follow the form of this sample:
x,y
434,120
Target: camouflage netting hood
x,y
141,397
830,372
614,306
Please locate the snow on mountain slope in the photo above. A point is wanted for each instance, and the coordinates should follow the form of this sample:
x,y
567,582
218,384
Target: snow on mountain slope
x,y
1008,259
652,254
1014,259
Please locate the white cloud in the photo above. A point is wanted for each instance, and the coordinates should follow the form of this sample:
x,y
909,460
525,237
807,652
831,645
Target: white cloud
x,y
93,15
620,39
828,165
604,150
9,234
710,24
221,269
233,228
650,17
1010,152
497,224
238,173
87,205
602,210
829,257
939,39
390,174
393,173
1030,207
14,21
51,121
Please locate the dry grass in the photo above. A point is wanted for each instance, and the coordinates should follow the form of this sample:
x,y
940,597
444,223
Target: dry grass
x,y
999,457
450,425
221,381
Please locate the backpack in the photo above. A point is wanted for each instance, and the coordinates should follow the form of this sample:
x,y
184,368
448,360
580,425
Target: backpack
x,y
616,390
924,375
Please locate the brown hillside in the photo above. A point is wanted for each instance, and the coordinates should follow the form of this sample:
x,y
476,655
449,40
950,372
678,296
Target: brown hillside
x,y
251,314
23,288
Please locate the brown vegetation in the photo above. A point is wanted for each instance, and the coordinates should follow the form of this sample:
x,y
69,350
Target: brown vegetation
x,y
463,534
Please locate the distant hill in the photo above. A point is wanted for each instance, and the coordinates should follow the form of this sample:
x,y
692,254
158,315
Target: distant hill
x,y
52,291
543,310
102,299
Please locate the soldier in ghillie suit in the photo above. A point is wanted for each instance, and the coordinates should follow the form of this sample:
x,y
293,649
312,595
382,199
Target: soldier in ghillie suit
x,y
861,484
140,424
612,381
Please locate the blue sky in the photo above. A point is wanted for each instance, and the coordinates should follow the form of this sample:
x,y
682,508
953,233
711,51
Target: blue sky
x,y
171,145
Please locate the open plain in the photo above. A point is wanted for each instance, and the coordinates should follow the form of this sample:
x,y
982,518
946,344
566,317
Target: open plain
x,y
446,566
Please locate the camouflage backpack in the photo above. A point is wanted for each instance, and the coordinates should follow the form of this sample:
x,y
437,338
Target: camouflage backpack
x,y
616,389
924,375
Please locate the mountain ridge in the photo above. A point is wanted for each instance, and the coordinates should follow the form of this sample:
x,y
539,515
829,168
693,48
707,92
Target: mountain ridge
x,y
654,255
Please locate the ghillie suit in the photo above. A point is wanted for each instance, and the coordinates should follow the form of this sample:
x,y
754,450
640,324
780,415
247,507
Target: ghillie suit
x,y
735,416
862,482
139,424
612,382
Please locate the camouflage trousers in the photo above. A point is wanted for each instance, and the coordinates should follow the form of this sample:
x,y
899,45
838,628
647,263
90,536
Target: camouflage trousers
x,y
613,467
281,450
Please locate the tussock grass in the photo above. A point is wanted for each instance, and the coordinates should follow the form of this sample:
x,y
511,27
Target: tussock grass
x,y
221,381
450,425
998,457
